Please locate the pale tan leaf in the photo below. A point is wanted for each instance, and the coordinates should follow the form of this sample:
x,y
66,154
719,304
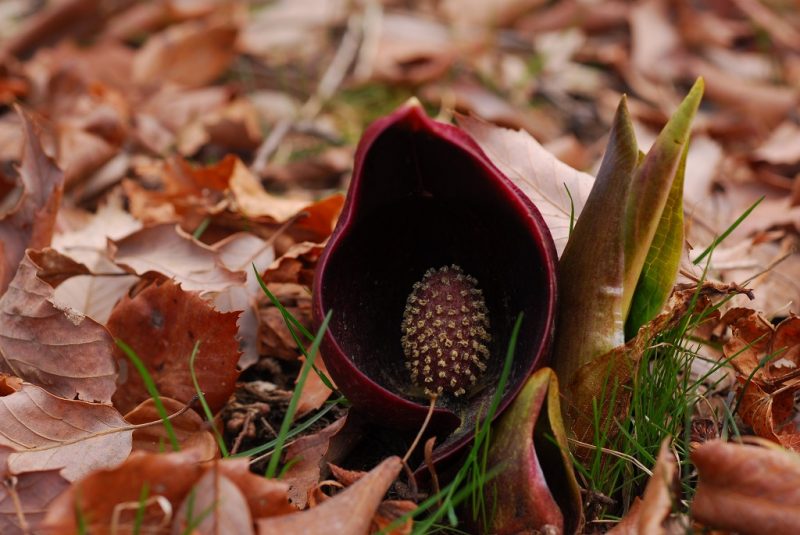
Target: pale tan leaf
x,y
536,172
215,505
168,250
27,496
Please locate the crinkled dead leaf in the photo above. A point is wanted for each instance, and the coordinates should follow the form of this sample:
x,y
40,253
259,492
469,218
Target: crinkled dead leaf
x,y
49,344
537,487
348,513
253,201
276,339
170,475
296,265
28,212
190,429
747,489
191,54
548,182
47,432
161,324
167,250
311,454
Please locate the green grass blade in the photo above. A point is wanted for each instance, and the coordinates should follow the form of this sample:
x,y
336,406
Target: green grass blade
x,y
150,385
206,409
144,493
272,467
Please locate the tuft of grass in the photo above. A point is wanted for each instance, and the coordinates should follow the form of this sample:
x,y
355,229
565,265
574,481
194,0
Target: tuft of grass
x,y
663,397
150,385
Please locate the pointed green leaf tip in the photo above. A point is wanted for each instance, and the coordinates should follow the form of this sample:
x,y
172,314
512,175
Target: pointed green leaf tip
x,y
651,187
629,234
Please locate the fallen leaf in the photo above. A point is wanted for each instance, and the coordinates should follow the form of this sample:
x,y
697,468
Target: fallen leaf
x,y
191,54
265,497
49,344
548,182
389,511
95,295
27,496
747,489
190,429
296,265
215,505
782,146
253,201
240,252
167,250
161,324
27,213
659,494
348,513
47,432
169,475
309,458
314,392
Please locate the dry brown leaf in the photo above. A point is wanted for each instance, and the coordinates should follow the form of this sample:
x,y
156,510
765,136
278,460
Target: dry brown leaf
x,y
170,475
782,146
296,265
235,127
190,429
27,496
314,392
389,511
276,340
747,489
265,497
28,212
487,14
57,20
161,324
191,54
49,344
47,432
215,505
95,295
309,457
548,182
167,250
348,513
253,201
398,59
240,252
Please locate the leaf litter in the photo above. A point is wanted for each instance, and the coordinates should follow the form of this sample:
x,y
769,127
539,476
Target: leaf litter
x,y
163,148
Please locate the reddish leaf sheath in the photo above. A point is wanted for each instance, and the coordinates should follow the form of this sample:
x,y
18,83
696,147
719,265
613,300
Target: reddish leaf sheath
x,y
423,196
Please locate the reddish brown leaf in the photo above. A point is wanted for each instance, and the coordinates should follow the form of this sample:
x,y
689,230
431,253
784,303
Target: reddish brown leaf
x,y
296,265
49,344
27,213
47,432
162,323
168,250
170,475
747,489
190,430
309,455
348,513
314,392
190,54
388,512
